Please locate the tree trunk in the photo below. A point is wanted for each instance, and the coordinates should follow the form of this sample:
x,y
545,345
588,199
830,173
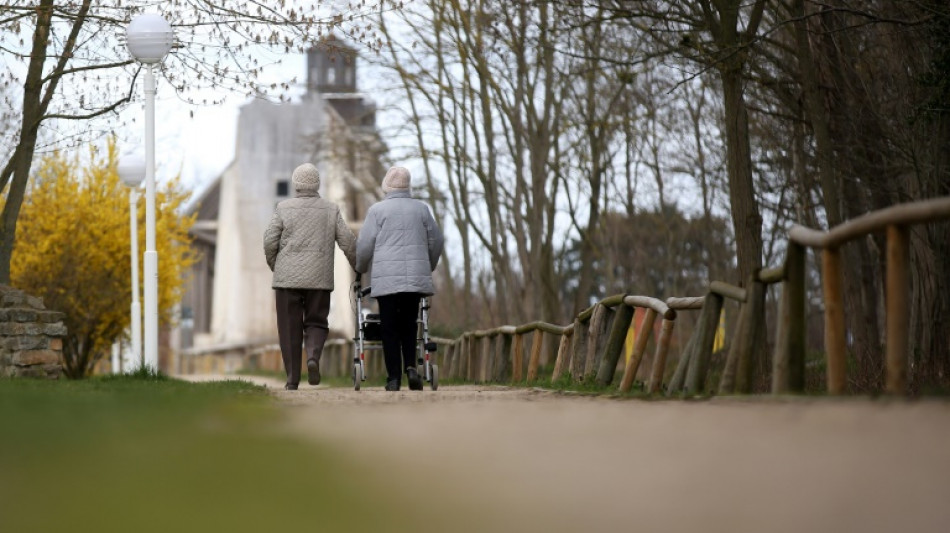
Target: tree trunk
x,y
746,220
817,116
22,157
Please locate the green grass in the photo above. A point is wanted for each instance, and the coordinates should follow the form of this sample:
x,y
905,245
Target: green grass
x,y
588,388
146,453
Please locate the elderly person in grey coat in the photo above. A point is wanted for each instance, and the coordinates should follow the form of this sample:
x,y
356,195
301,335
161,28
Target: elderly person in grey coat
x,y
402,241
298,246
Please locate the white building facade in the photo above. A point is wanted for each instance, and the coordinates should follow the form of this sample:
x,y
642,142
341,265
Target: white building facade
x,y
229,302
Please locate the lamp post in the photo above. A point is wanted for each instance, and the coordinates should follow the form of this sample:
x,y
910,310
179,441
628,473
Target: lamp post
x,y
149,37
132,172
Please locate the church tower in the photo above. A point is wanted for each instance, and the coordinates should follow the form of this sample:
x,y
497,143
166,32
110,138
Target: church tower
x,y
331,68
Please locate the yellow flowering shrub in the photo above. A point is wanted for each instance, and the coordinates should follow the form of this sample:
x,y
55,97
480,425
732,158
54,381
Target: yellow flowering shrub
x,y
73,250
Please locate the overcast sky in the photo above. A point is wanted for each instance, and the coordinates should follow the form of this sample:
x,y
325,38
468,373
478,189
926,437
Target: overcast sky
x,y
199,141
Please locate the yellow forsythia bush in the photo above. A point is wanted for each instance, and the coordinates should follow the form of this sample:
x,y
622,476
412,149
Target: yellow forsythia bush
x,y
73,250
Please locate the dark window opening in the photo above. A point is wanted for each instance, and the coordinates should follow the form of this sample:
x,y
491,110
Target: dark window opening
x,y
282,188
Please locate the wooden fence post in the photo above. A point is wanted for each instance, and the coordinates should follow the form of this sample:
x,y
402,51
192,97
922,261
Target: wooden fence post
x,y
563,360
462,358
702,349
502,357
536,341
517,359
736,376
835,344
659,359
486,359
452,357
727,383
643,336
615,343
549,350
446,367
599,321
456,358
471,356
476,356
897,310
788,363
579,352
679,375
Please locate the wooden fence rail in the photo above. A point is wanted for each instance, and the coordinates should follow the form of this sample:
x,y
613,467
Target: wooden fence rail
x,y
589,348
894,220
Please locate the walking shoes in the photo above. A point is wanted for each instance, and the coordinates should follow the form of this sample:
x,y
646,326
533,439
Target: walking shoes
x,y
313,372
415,382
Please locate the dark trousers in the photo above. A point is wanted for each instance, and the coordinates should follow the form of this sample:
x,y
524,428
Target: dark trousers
x,y
399,329
301,316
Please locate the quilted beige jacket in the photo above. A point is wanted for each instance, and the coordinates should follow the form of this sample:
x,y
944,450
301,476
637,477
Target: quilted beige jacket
x,y
298,243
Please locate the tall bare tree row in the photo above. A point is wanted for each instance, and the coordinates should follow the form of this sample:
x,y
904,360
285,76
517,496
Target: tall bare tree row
x,y
572,119
539,112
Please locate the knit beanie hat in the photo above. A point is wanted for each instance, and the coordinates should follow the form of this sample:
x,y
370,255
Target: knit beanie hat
x,y
397,179
306,178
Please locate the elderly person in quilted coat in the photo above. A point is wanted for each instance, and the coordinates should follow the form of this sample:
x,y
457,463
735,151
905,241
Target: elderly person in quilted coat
x,y
298,246
402,241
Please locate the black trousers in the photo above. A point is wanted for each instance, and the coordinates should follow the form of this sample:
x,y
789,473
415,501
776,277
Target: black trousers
x,y
301,317
399,330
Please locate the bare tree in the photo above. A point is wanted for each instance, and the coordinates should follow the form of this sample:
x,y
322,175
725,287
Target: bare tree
x,y
69,62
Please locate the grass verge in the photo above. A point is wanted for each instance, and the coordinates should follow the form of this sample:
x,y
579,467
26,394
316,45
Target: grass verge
x,y
150,454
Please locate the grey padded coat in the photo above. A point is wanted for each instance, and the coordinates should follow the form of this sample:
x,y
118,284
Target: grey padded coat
x,y
298,243
403,242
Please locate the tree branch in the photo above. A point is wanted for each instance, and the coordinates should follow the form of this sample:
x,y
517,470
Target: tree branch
x,y
94,114
59,74
68,48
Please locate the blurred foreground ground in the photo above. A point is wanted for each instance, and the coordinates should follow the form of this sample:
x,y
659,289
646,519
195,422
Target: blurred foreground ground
x,y
526,460
132,455
127,454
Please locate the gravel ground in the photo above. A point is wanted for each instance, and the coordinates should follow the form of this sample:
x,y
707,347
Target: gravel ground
x,y
472,458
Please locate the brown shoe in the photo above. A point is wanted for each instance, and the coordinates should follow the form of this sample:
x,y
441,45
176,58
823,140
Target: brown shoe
x,y
313,372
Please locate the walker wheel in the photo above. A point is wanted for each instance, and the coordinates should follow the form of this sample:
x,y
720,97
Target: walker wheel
x,y
357,378
434,382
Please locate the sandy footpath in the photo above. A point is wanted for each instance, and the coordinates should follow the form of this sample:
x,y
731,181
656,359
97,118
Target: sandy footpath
x,y
493,458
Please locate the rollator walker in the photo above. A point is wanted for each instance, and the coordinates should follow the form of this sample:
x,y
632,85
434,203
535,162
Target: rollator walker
x,y
369,336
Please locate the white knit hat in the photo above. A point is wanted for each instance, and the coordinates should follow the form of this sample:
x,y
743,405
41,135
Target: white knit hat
x,y
306,178
397,179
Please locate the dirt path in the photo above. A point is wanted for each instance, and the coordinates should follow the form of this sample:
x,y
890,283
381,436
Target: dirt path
x,y
477,458
500,459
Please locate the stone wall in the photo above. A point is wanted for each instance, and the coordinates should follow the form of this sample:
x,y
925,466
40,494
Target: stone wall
x,y
31,337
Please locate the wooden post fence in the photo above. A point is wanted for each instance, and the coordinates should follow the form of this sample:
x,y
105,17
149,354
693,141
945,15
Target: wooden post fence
x,y
894,220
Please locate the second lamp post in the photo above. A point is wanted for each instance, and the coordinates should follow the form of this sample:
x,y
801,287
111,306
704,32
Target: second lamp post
x,y
132,172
